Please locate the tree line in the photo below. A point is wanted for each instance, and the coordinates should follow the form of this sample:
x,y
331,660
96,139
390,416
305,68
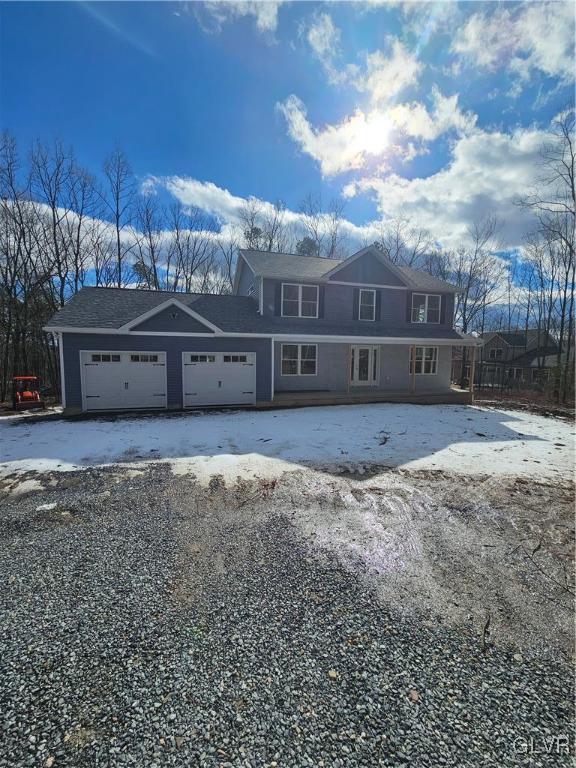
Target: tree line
x,y
63,227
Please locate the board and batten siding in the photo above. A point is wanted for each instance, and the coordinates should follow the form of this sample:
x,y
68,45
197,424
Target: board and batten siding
x,y
73,343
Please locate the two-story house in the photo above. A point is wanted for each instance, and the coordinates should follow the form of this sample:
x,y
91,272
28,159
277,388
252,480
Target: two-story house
x,y
507,358
296,329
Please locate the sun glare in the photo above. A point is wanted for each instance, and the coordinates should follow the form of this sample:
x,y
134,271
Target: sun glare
x,y
375,133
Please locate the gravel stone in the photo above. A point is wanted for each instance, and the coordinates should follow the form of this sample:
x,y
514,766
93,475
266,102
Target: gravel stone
x,y
161,623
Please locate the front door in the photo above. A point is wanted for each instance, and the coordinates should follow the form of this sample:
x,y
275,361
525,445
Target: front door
x,y
363,365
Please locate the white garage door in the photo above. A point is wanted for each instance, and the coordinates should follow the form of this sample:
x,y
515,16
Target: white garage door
x,y
122,380
218,378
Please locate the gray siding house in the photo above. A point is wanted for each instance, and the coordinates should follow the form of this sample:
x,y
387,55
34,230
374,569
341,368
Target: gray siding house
x,y
296,330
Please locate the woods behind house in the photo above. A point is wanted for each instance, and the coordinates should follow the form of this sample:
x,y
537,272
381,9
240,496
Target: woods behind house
x,y
63,227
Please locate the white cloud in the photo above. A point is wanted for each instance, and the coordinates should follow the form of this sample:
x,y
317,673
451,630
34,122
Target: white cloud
x,y
533,36
324,39
416,121
386,76
210,198
488,171
226,207
361,137
264,12
342,147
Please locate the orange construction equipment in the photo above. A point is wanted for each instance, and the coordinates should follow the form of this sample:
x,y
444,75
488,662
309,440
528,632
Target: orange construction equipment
x,y
26,393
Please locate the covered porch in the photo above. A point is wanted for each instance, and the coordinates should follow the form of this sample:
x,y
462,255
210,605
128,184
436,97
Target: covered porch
x,y
365,372
454,396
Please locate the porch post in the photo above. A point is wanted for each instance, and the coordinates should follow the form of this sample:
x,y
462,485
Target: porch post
x,y
413,368
472,374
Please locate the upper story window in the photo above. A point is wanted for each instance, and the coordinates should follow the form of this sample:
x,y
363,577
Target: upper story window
x,y
425,308
496,354
299,300
367,304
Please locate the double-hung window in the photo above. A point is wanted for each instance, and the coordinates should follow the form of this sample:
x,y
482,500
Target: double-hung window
x,y
496,354
425,360
425,308
299,359
367,304
299,300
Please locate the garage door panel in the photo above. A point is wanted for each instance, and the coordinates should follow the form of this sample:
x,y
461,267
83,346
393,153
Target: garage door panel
x,y
219,378
123,380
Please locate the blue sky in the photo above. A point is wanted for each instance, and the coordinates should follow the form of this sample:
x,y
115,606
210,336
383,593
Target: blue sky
x,y
435,111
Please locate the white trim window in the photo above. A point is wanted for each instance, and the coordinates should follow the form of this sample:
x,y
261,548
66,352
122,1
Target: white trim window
x,y
299,300
426,307
299,359
426,360
496,353
367,304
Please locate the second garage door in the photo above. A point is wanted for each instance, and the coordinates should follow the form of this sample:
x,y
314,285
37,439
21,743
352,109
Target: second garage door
x,y
219,378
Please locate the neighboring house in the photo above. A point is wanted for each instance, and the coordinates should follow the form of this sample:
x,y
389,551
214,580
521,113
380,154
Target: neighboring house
x,y
296,328
511,358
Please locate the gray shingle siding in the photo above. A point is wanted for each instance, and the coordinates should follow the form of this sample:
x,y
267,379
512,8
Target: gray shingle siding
x,y
173,346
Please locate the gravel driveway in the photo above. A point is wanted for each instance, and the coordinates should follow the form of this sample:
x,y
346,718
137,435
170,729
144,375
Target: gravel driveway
x,y
148,621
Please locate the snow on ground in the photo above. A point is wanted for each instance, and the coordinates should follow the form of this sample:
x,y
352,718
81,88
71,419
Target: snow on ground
x,y
462,439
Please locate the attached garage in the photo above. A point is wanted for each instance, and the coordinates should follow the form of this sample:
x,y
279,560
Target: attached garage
x,y
218,378
123,380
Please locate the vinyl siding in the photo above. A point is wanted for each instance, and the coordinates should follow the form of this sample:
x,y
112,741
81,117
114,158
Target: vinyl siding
x,y
73,343
395,305
173,319
247,279
393,370
367,269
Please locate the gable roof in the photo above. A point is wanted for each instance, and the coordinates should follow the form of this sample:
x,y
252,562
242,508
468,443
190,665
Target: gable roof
x,y
289,266
114,308
121,308
513,339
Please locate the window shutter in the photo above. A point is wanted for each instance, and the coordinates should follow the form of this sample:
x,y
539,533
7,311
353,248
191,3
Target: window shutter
x,y
409,307
278,299
378,310
356,303
320,301
443,309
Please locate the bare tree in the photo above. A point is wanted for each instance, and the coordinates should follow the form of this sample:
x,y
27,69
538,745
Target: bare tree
x,y
322,229
478,272
150,244
118,197
553,202
192,245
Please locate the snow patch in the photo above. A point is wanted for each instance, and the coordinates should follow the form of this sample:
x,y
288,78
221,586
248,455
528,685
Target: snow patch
x,y
464,439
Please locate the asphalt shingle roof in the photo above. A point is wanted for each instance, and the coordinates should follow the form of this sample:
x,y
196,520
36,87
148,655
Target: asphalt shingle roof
x,y
114,307
288,265
292,267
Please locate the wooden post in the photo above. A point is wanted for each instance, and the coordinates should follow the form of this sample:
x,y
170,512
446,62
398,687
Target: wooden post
x,y
472,374
413,368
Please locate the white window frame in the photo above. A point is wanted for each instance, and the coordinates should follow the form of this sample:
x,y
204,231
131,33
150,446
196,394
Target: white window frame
x,y
426,297
423,360
492,353
367,319
299,286
299,359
